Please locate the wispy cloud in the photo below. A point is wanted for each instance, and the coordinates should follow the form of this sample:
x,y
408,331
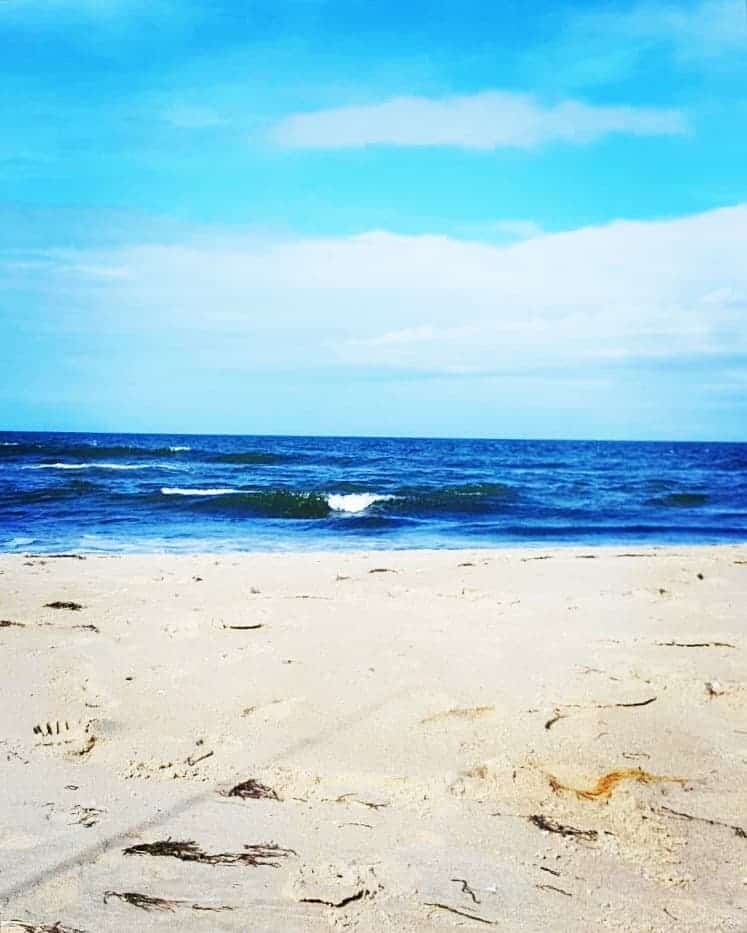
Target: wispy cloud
x,y
598,45
488,120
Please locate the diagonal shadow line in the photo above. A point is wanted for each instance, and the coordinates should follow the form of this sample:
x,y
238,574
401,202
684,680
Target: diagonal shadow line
x,y
96,851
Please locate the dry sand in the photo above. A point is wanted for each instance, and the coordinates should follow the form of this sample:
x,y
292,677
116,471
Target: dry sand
x,y
429,733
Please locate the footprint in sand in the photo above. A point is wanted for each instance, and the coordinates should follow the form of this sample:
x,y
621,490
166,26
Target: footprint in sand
x,y
333,885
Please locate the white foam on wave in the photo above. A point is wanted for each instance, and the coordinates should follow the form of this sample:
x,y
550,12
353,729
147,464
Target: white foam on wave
x,y
9,444
179,491
20,541
86,466
355,502
177,448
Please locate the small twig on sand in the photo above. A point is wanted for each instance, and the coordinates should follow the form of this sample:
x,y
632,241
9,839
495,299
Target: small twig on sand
x,y
245,628
6,623
737,830
195,761
551,887
551,722
342,903
625,705
63,604
461,913
343,798
466,889
558,715
695,644
382,570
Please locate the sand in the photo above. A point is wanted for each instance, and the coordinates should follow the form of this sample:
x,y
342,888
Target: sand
x,y
537,740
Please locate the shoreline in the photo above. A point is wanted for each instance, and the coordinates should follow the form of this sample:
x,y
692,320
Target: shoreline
x,y
488,549
563,735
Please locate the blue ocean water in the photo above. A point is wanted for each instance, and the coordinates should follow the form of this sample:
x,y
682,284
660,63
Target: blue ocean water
x,y
126,492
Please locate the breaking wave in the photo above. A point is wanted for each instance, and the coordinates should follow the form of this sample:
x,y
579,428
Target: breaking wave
x,y
355,502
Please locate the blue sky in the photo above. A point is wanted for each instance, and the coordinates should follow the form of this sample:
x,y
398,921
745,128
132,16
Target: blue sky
x,y
431,218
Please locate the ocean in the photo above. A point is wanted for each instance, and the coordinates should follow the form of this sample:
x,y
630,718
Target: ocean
x,y
130,492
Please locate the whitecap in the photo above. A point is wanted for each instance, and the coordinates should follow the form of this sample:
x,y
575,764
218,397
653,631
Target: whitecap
x,y
355,502
177,448
86,466
9,444
179,491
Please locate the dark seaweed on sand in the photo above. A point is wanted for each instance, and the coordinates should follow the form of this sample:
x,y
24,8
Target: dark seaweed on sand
x,y
261,854
253,790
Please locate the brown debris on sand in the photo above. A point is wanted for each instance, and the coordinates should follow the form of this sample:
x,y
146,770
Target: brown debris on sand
x,y
143,901
260,855
695,644
58,556
382,570
551,826
43,927
466,889
460,913
344,798
558,714
474,712
146,902
737,830
552,887
244,628
251,790
6,623
608,782
64,604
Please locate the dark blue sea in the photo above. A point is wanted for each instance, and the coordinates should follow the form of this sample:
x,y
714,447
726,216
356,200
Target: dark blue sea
x,y
128,492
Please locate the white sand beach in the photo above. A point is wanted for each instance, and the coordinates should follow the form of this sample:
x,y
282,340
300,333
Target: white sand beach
x,y
535,740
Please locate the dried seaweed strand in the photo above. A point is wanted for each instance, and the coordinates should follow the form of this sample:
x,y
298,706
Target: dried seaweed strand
x,y
738,830
608,782
259,855
466,889
461,913
551,826
253,790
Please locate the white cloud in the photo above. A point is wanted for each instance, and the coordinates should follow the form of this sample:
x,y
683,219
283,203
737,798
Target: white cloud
x,y
488,120
666,290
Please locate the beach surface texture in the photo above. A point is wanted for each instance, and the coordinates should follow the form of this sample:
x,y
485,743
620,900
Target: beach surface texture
x,y
535,740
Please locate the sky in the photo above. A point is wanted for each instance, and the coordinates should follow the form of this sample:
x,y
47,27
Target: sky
x,y
339,217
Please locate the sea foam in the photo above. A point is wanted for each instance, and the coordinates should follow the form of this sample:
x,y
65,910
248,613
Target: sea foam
x,y
355,502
